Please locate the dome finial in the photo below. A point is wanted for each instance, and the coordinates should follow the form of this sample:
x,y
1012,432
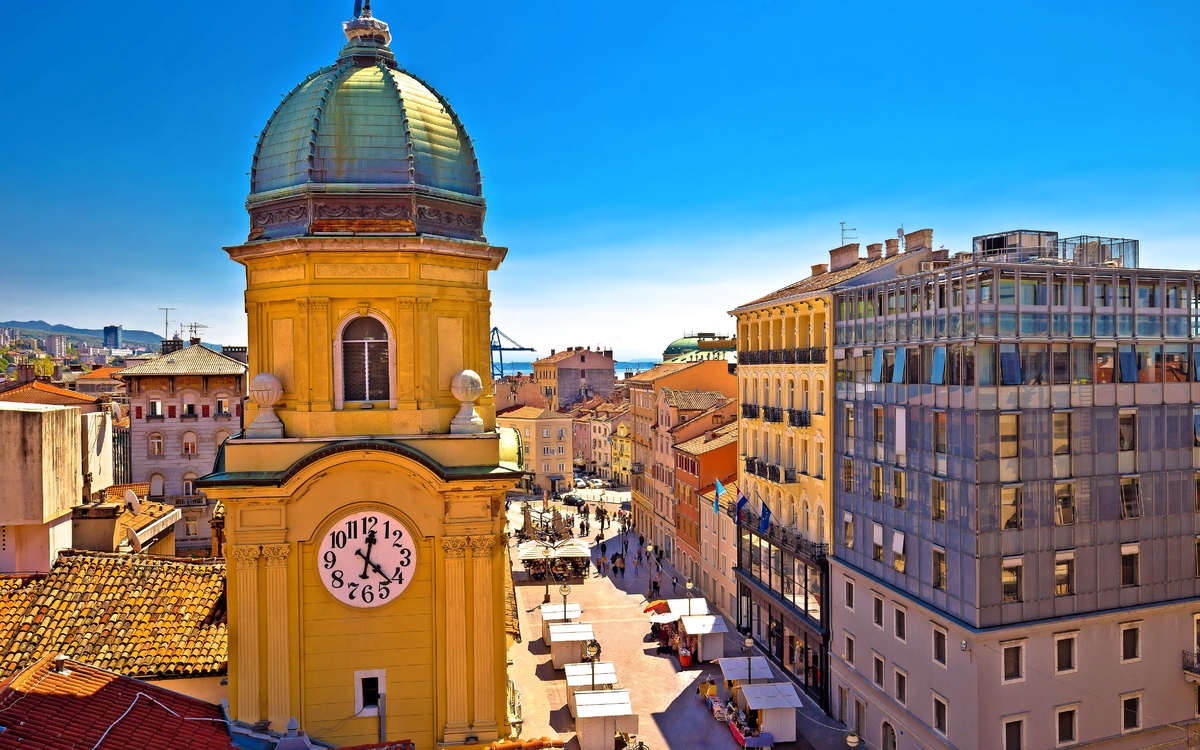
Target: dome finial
x,y
366,36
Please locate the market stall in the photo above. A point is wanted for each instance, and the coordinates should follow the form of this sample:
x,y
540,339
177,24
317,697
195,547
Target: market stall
x,y
567,642
556,613
704,636
568,560
600,714
687,607
734,669
600,675
772,708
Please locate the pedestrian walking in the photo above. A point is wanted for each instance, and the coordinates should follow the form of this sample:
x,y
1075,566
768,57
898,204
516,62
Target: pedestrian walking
x,y
624,545
637,563
603,564
674,585
654,590
641,541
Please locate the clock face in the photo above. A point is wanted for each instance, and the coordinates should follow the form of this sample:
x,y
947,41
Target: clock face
x,y
367,559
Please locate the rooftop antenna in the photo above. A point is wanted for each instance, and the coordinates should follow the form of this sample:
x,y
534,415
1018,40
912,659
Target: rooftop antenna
x,y
167,321
195,328
847,229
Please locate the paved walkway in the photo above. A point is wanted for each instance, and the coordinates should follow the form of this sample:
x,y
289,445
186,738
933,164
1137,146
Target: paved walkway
x,y
671,715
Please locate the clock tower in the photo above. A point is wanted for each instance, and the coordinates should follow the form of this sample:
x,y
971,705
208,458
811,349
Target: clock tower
x,y
364,499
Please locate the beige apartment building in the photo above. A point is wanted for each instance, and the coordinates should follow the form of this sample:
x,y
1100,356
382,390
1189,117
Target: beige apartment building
x,y
545,446
622,450
575,374
603,424
652,468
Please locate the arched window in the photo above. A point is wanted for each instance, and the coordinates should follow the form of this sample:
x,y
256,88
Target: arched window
x,y
791,394
804,521
364,362
156,485
189,443
820,397
189,488
778,393
820,524
156,444
755,391
804,395
222,436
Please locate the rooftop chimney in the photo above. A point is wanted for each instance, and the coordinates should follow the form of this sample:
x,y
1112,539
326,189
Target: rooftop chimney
x,y
893,247
25,373
608,353
170,346
820,268
236,352
843,257
922,239
551,352
874,252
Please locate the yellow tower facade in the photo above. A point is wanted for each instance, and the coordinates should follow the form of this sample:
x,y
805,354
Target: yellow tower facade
x,y
364,500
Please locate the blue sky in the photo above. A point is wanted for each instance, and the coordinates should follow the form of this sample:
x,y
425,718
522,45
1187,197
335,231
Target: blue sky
x,y
648,165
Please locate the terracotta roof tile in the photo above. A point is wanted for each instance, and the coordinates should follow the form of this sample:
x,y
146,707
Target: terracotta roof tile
x,y
138,615
116,493
102,373
527,412
190,360
703,444
694,400
37,392
659,370
87,707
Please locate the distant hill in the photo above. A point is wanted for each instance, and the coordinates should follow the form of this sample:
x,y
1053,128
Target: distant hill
x,y
92,336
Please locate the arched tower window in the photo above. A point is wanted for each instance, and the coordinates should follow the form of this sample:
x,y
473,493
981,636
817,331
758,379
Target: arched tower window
x,y
364,362
156,485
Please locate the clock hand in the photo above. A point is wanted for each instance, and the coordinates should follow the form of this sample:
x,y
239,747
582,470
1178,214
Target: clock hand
x,y
367,557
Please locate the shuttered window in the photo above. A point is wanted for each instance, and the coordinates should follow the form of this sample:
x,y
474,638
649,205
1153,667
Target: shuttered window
x,y
365,366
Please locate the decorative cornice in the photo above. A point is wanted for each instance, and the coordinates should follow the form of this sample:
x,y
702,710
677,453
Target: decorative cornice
x,y
320,303
448,218
246,556
455,547
424,303
360,211
276,554
302,304
481,546
406,303
286,215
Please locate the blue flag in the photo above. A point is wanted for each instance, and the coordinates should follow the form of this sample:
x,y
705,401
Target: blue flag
x,y
717,499
741,503
765,523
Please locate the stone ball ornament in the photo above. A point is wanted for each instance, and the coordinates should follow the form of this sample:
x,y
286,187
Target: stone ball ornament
x,y
467,387
266,389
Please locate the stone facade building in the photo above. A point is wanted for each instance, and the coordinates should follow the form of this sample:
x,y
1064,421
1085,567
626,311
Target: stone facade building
x,y
182,406
575,374
1017,554
545,445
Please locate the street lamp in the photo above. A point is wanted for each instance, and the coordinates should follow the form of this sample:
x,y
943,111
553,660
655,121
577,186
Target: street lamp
x,y
564,590
546,553
649,569
851,739
749,644
593,654
688,585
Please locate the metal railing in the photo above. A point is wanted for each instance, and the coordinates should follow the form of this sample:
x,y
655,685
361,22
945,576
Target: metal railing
x,y
183,500
749,411
808,355
789,476
1189,662
772,414
786,537
799,417
637,468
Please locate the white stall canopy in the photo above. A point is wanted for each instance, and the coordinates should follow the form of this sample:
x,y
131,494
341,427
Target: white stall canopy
x,y
680,607
600,715
776,703
709,631
733,669
556,613
579,678
567,641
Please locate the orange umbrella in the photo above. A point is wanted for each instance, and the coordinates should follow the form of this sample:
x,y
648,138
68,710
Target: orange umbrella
x,y
658,607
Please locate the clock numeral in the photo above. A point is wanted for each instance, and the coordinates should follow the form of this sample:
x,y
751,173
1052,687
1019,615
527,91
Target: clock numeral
x,y
337,539
387,529
352,529
368,595
399,577
384,591
336,580
406,555
330,559
353,588
398,533
369,523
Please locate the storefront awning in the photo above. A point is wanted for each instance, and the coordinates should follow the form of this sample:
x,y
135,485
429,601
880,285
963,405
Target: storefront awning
x,y
555,477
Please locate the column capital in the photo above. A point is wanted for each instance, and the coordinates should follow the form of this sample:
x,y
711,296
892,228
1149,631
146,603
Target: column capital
x,y
481,546
276,554
455,547
246,555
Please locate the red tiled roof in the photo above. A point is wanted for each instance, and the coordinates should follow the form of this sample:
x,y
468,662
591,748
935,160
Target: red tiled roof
x,y
814,284
86,707
102,373
134,614
558,357
694,400
527,412
392,745
659,370
37,392
116,493
703,444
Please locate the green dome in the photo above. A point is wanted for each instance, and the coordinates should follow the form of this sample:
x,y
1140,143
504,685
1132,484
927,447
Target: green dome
x,y
365,126
680,346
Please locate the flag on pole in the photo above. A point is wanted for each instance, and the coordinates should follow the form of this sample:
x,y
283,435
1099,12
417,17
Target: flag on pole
x,y
717,499
741,503
765,523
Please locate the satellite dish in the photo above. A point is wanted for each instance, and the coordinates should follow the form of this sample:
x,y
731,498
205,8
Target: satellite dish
x,y
133,540
116,411
900,233
135,505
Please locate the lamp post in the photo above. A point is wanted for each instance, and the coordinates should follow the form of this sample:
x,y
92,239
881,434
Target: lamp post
x,y
593,654
564,590
546,553
688,585
749,644
649,569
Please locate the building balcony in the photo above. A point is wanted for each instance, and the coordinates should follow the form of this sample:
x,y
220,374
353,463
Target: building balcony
x,y
799,417
637,468
1191,670
180,501
789,476
787,538
749,411
772,414
809,355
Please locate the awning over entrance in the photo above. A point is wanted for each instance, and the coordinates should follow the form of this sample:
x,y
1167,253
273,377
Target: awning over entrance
x,y
555,477
535,550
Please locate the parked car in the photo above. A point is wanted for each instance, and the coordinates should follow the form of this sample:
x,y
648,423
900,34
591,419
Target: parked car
x,y
597,483
626,505
580,483
571,499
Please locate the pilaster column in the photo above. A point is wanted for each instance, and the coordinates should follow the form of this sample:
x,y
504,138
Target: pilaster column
x,y
303,366
320,347
455,548
427,354
246,674
485,638
278,655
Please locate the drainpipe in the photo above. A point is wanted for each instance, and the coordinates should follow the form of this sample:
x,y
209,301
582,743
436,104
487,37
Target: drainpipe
x,y
383,717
